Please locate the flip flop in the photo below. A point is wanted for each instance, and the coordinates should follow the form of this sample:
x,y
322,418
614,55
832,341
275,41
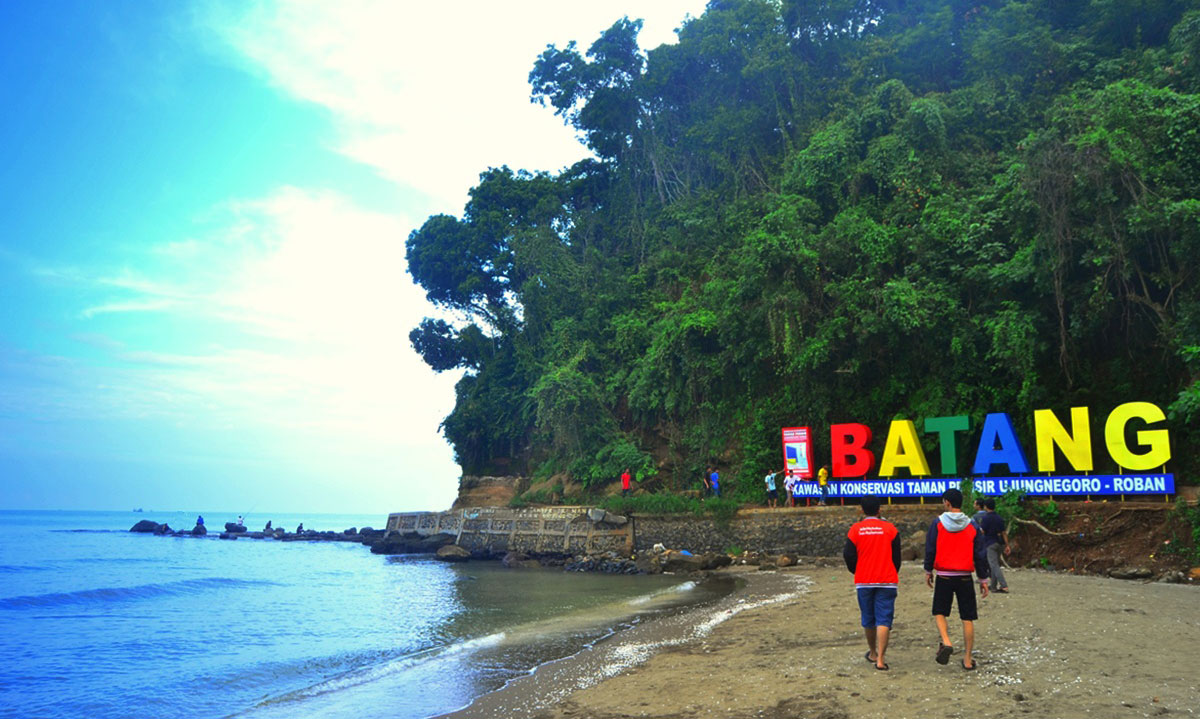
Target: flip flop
x,y
883,668
867,656
969,668
943,654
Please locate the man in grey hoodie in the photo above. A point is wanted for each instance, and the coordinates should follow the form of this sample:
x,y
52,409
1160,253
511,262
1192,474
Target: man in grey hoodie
x,y
953,548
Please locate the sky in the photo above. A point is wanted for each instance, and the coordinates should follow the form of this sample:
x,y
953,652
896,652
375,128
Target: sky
x,y
204,302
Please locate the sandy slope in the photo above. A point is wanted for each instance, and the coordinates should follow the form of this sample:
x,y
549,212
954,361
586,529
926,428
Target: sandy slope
x,y
790,645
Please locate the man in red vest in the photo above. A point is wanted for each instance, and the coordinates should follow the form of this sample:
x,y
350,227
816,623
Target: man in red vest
x,y
953,548
872,552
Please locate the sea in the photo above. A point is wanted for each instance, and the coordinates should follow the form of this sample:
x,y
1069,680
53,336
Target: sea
x,y
96,621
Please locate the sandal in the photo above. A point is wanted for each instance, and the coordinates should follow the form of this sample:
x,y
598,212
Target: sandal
x,y
943,654
883,668
971,668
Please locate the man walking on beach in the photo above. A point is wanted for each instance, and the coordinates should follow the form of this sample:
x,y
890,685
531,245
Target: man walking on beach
x,y
953,546
872,553
995,541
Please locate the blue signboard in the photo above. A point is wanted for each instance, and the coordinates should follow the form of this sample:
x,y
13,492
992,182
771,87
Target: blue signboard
x,y
1065,486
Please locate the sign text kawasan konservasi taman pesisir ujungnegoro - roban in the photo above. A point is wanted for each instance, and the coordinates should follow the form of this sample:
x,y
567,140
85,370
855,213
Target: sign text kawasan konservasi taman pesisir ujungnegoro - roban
x,y
1134,437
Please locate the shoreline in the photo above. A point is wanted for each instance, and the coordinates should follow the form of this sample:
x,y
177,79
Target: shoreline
x,y
553,682
789,643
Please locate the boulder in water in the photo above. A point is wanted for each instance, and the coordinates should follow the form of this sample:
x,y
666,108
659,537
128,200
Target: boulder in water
x,y
199,530
453,553
235,528
145,526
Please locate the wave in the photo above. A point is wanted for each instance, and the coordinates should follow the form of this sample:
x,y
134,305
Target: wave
x,y
19,568
124,594
668,593
374,672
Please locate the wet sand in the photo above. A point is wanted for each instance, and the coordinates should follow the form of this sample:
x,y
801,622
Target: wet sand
x,y
789,644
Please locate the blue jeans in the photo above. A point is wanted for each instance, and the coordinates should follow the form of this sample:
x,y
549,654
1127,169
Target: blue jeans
x,y
878,605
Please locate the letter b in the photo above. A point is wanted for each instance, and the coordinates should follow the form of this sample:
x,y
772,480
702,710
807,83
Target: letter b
x,y
848,443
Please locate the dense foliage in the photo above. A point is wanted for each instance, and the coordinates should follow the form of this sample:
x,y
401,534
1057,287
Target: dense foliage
x,y
806,213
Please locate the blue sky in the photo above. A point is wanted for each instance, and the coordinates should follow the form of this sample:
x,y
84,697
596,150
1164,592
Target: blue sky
x,y
203,295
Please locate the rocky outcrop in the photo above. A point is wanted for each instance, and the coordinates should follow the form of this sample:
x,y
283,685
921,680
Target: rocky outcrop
x,y
411,543
146,527
488,491
452,553
235,528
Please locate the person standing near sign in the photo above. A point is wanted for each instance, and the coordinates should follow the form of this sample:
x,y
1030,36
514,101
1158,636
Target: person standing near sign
x,y
823,481
953,547
872,553
772,492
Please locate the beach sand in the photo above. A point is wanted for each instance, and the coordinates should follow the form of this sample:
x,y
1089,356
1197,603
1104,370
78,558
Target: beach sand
x,y
789,644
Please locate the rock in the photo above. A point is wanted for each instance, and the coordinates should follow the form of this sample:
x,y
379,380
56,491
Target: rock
x,y
913,548
348,532
452,553
199,531
649,563
597,514
1173,578
516,560
785,560
145,526
162,529
715,561
1130,573
234,528
228,535
681,563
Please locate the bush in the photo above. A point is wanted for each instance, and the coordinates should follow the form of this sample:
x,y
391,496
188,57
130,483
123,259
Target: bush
x,y
1185,520
1048,514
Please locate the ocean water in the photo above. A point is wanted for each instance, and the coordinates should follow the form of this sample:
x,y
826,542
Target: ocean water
x,y
98,622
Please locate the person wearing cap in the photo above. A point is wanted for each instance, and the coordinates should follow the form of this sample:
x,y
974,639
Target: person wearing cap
x,y
953,549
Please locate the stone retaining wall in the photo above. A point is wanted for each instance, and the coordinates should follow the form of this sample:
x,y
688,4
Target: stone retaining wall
x,y
497,530
810,533
568,531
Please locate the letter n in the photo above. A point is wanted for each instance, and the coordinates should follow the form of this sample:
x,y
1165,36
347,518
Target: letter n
x,y
1076,445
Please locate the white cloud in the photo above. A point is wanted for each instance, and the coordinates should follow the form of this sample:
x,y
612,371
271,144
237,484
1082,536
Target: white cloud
x,y
430,94
306,305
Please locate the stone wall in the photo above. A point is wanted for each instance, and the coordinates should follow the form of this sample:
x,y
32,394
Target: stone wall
x,y
498,530
569,531
806,532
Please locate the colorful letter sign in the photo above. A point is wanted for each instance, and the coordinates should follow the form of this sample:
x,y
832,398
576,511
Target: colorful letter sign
x,y
999,457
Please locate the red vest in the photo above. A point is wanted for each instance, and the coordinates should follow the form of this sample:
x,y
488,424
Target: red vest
x,y
872,538
955,552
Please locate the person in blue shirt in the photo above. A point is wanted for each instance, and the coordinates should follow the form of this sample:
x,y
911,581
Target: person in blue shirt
x,y
714,481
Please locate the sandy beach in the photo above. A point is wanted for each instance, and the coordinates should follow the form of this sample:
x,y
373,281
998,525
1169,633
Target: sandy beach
x,y
789,644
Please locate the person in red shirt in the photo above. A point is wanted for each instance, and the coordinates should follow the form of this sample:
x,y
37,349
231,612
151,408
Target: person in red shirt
x,y
872,553
625,483
953,547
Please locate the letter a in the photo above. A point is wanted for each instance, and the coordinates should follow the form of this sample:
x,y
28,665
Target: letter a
x,y
998,445
903,449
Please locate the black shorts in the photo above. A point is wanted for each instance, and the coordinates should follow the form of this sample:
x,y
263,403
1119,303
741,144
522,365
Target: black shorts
x,y
772,494
945,589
